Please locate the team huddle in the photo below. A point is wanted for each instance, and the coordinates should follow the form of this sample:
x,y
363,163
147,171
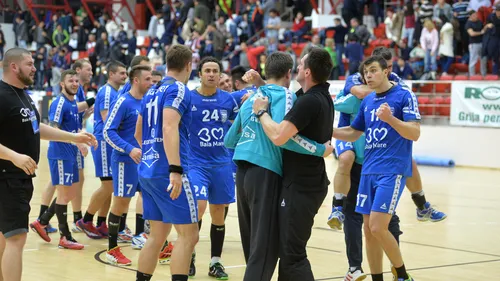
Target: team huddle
x,y
177,149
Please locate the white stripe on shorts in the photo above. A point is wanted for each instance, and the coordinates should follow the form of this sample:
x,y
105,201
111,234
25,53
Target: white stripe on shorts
x,y
190,198
104,159
395,194
60,169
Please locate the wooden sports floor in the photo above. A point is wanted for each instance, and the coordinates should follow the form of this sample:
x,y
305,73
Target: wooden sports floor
x,y
466,246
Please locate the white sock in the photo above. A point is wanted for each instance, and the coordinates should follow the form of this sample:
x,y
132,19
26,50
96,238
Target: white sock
x,y
421,192
215,260
339,196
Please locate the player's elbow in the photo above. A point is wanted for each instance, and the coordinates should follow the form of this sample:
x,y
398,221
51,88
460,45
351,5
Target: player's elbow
x,y
416,135
278,140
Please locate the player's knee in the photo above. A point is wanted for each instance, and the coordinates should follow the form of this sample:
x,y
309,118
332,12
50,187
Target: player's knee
x,y
377,229
367,231
346,160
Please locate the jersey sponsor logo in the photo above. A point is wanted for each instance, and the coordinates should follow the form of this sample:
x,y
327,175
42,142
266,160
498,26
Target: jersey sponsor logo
x,y
211,137
223,114
150,157
25,112
248,135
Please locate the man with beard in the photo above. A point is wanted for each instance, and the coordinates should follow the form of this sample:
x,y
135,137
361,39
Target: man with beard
x,y
106,95
20,136
83,69
119,133
63,114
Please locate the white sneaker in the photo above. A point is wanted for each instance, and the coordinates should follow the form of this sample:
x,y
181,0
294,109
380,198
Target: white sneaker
x,y
76,229
139,241
357,275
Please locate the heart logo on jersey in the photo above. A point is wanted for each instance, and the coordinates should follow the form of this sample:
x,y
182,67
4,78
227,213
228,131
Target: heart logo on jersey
x,y
379,132
218,133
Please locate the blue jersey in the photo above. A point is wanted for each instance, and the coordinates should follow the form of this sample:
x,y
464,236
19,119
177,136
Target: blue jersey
x,y
125,89
64,113
209,125
80,96
386,151
356,80
169,94
239,94
120,127
105,97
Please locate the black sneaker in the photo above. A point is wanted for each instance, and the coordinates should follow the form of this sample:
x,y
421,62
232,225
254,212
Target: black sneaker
x,y
217,271
192,267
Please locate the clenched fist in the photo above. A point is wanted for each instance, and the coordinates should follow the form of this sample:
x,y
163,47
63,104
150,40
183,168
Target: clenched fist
x,y
384,112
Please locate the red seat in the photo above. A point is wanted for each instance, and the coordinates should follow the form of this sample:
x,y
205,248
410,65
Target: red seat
x,y
444,87
460,67
444,110
491,77
423,105
427,88
341,77
461,77
476,78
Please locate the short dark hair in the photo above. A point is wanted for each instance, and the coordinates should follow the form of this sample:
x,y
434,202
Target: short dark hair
x,y
178,56
320,63
14,55
113,66
381,61
79,63
209,59
157,73
382,52
278,65
237,73
137,60
67,72
137,70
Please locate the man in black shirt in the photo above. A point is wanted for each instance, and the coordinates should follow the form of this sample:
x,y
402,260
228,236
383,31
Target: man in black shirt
x,y
475,30
305,183
20,134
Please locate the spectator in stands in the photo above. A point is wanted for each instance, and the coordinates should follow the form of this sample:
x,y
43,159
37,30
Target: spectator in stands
x,y
60,37
352,9
217,40
102,48
392,26
330,48
442,8
39,35
409,25
99,29
429,40
40,65
475,5
417,56
492,37
404,70
255,16
132,42
425,11
354,53
461,14
404,49
299,28
361,32
122,35
22,33
272,45
273,24
248,55
446,53
153,29
83,37
475,30
315,42
261,67
369,20
203,13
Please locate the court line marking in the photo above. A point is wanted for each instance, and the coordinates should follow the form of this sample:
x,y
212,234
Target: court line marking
x,y
423,268
426,245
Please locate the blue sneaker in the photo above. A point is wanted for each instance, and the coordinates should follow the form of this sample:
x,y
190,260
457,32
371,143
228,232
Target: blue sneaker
x,y
336,218
430,214
50,229
409,278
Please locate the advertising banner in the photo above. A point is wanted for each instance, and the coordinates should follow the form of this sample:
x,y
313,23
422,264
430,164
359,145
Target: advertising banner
x,y
475,104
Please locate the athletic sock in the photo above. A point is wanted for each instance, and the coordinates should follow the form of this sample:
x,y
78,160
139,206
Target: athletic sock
x,y
100,220
143,276
113,227
199,225
62,218
43,208
49,213
419,199
226,210
401,271
217,234
77,216
139,224
123,222
179,277
338,200
378,277
88,217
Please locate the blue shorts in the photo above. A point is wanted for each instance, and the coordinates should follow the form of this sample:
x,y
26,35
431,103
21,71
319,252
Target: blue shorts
x,y
358,147
79,160
379,193
158,206
102,159
63,172
235,168
343,146
126,180
215,184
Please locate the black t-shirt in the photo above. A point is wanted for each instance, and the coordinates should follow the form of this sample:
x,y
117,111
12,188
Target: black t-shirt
x,y
496,23
476,26
16,129
313,115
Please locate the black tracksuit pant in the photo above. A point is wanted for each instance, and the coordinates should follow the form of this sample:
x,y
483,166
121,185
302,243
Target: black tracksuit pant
x,y
298,207
258,191
353,224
